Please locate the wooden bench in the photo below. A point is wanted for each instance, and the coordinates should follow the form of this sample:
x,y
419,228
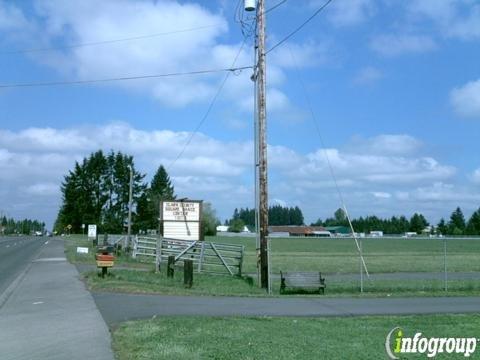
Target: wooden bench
x,y
306,281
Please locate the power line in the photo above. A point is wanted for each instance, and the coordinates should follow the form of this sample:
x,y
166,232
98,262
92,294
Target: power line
x,y
300,27
327,158
209,109
94,43
124,78
275,6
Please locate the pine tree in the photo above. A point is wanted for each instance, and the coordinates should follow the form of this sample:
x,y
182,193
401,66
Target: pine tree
x,y
161,189
96,191
418,223
456,225
473,225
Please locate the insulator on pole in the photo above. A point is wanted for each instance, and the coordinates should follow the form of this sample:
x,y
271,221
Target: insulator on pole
x,y
250,5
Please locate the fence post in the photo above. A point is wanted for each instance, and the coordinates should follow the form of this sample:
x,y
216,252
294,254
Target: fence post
x,y
202,254
240,264
445,263
269,268
170,266
158,254
188,273
361,264
134,249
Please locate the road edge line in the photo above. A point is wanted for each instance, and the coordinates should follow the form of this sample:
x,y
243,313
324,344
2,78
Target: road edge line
x,y
18,280
13,286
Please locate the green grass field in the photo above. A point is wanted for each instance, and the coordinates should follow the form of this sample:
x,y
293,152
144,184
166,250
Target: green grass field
x,y
74,241
150,282
382,255
330,256
281,338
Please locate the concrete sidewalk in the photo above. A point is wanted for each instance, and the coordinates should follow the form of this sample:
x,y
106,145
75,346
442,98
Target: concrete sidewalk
x,y
50,314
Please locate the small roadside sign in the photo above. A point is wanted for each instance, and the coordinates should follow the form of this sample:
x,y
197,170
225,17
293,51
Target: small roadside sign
x,y
82,250
92,231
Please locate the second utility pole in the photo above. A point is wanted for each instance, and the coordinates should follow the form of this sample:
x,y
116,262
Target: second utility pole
x,y
262,145
130,191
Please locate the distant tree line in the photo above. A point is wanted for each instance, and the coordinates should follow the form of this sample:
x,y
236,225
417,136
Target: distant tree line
x,y
457,225
277,215
10,226
96,191
394,225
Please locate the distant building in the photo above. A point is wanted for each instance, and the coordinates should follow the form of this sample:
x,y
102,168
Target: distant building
x,y
338,230
376,233
222,228
291,230
245,229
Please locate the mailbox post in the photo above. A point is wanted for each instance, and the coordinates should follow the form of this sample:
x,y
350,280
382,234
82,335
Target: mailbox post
x,y
105,259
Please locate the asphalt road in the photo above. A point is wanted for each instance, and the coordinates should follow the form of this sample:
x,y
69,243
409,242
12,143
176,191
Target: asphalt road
x,y
16,253
116,308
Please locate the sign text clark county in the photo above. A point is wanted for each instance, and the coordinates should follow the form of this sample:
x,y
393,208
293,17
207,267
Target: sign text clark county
x,y
181,211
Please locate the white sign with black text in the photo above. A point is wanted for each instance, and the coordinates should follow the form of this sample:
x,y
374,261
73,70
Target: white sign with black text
x,y
181,219
92,231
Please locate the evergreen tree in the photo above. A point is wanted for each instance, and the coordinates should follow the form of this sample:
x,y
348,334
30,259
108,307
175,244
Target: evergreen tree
x,y
442,227
161,189
473,225
96,191
456,225
340,217
418,223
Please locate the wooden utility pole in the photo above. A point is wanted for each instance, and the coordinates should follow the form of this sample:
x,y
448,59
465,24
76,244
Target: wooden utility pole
x,y
130,196
261,77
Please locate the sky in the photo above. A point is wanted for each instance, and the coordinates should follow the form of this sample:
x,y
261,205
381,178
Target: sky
x,y
386,92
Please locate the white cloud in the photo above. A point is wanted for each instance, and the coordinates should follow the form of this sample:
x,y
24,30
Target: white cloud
x,y
11,18
468,27
381,195
386,144
440,191
215,170
466,99
349,12
454,18
368,75
476,176
375,168
42,189
308,54
397,44
280,202
440,11
90,21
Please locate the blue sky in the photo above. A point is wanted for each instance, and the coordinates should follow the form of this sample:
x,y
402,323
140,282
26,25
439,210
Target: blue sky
x,y
394,86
